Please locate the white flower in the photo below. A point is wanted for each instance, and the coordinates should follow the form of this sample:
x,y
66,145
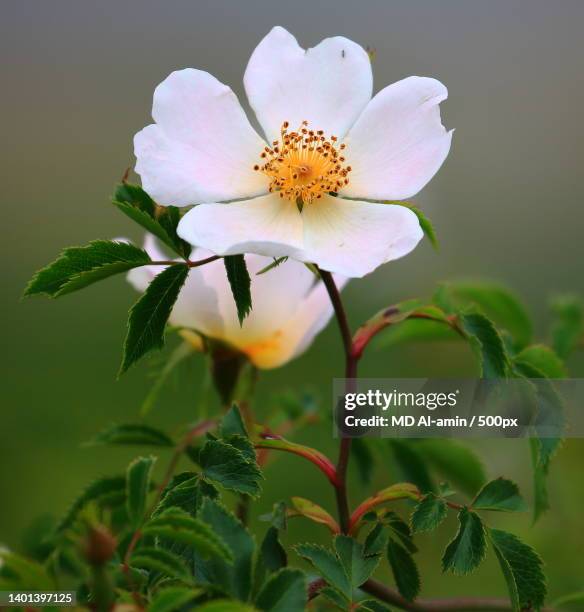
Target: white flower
x,y
331,138
289,307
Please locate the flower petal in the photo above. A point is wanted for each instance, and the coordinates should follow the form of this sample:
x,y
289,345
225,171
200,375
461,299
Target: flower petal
x,y
202,146
328,85
398,143
353,238
267,225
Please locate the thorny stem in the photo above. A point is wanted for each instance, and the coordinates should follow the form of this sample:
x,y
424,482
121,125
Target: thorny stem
x,y
350,375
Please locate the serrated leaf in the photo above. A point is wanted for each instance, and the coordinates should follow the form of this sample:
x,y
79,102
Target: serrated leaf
x,y
149,315
176,525
172,598
181,492
314,512
160,221
78,267
543,359
240,284
275,263
568,327
232,423
284,591
229,467
522,568
236,578
137,486
500,494
455,462
488,345
357,565
404,569
273,554
160,560
334,597
466,551
328,566
98,489
428,514
132,433
496,302
376,541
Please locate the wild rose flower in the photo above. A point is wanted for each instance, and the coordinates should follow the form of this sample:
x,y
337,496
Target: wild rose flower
x,y
330,149
289,307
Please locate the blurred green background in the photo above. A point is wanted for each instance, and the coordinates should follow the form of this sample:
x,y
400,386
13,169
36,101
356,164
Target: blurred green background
x,y
76,84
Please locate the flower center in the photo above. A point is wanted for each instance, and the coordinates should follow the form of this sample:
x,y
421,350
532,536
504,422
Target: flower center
x,y
303,165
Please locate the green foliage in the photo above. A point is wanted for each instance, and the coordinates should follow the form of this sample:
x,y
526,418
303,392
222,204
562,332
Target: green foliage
x,y
328,565
176,525
522,568
568,327
172,598
411,464
225,464
78,267
488,345
273,555
20,573
161,560
428,514
466,551
495,301
225,605
235,578
132,434
100,489
275,263
149,315
425,224
543,359
232,423
240,283
358,563
404,568
284,591
161,221
314,512
500,494
137,486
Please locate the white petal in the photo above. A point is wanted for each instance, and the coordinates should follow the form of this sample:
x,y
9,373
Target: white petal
x,y
202,146
328,85
353,238
398,143
268,225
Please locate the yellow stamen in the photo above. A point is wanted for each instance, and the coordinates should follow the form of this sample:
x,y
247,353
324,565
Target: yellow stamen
x,y
304,164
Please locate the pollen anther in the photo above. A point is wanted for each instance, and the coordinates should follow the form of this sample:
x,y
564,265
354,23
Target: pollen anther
x,y
304,164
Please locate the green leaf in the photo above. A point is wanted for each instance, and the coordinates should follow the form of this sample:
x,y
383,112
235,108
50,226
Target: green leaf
x,y
137,487
334,597
225,605
172,598
428,514
176,525
455,462
415,330
424,221
132,433
229,467
284,591
181,492
569,600
497,302
568,327
160,221
314,512
500,494
160,560
78,267
405,570
522,568
97,490
232,423
149,315
26,574
372,605
240,283
488,344
328,566
363,456
543,359
358,566
273,554
277,261
236,578
399,530
411,465
376,541
466,551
